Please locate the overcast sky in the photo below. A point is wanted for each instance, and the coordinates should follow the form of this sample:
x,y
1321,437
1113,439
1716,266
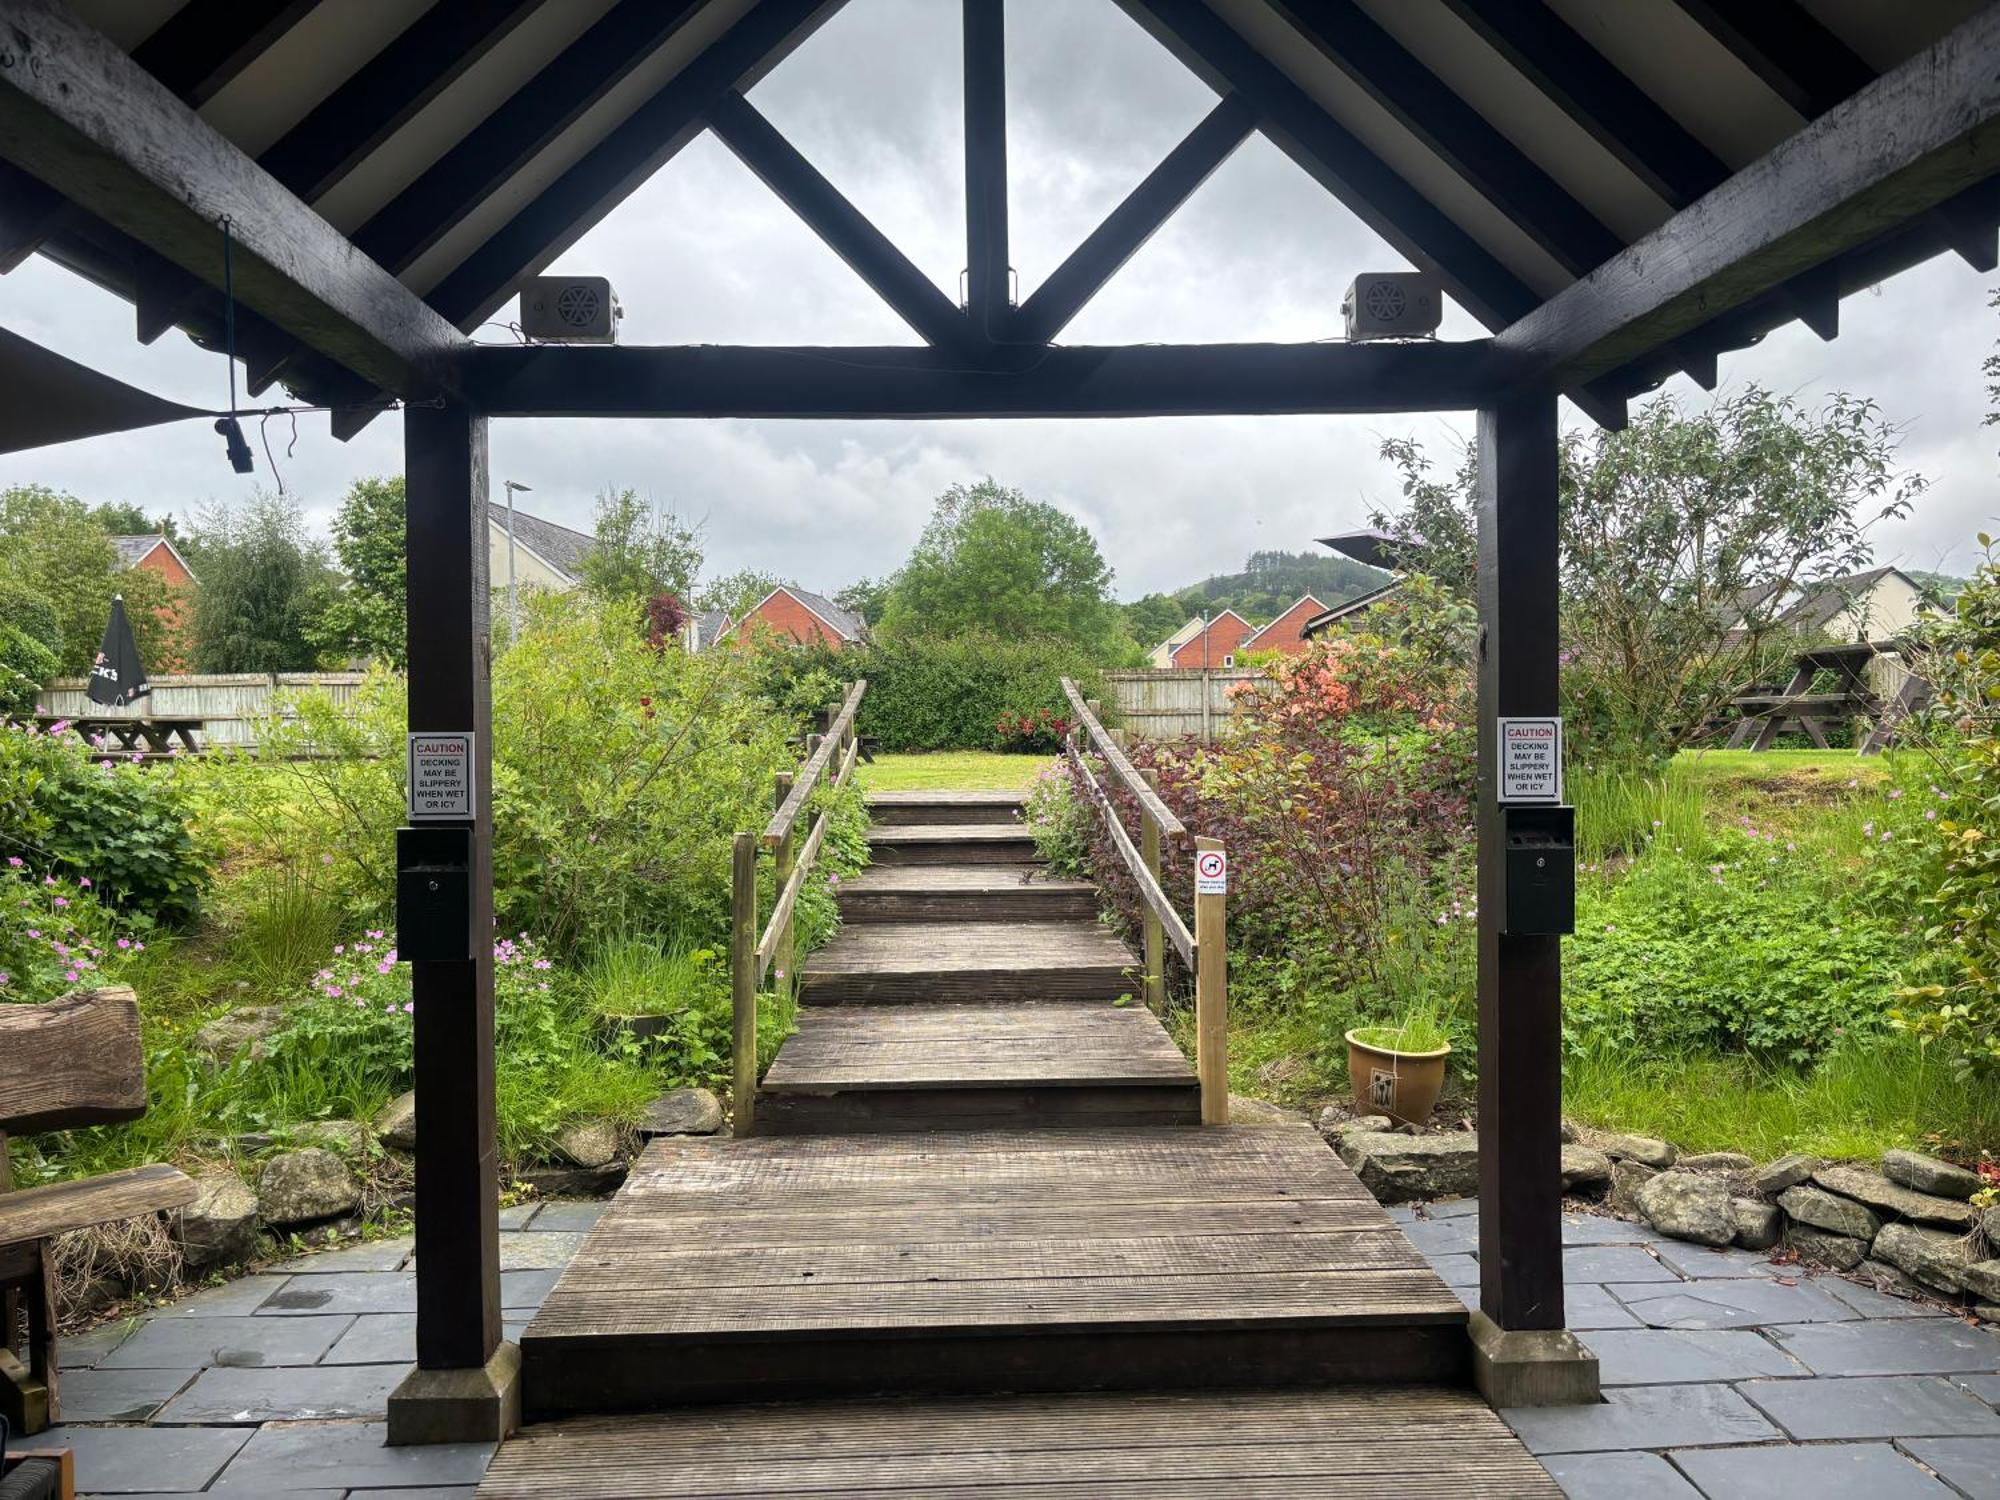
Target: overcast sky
x,y
704,254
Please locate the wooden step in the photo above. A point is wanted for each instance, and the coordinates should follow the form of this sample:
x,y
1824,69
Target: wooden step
x,y
904,809
860,1068
1354,1443
965,893
901,963
951,844
802,1267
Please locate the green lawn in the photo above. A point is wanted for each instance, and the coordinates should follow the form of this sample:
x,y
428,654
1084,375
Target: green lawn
x,y
951,771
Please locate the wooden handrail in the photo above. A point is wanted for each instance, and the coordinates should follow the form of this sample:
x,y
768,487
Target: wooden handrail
x,y
1150,890
1102,743
809,774
781,910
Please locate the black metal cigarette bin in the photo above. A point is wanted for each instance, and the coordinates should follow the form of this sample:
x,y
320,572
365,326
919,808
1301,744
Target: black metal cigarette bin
x,y
434,893
1538,869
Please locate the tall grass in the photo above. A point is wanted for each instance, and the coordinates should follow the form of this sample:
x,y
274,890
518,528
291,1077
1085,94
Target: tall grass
x,y
1621,812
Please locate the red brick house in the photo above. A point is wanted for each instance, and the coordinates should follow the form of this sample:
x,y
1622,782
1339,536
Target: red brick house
x,y
796,614
1287,632
157,554
1216,644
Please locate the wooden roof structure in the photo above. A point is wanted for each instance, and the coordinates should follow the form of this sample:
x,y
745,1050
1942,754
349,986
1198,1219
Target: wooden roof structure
x,y
1617,189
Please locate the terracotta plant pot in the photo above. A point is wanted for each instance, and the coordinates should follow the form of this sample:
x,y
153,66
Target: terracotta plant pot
x,y
1402,1085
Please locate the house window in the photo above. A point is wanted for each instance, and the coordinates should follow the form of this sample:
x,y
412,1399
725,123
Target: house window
x,y
1229,661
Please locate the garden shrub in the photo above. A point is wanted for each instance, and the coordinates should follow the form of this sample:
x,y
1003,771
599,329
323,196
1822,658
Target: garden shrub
x,y
1040,732
69,809
30,646
56,937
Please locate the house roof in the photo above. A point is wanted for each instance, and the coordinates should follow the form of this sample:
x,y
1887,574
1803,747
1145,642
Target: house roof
x,y
1180,637
1348,607
709,626
133,550
1203,627
1822,603
1255,636
844,623
561,547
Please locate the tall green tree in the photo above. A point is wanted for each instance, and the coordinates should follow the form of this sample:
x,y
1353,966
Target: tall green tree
x,y
123,518
642,549
992,559
265,582
366,614
53,547
867,597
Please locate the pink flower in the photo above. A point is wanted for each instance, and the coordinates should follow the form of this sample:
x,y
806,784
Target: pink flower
x,y
124,942
383,967
333,992
339,948
409,1007
138,947
72,976
14,861
62,901
34,932
326,859
84,883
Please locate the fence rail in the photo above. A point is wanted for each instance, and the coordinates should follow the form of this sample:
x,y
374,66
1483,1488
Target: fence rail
x,y
1179,702
754,953
1205,950
229,705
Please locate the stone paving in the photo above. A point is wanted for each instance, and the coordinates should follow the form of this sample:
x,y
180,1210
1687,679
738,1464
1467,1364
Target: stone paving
x,y
1728,1377
1725,1376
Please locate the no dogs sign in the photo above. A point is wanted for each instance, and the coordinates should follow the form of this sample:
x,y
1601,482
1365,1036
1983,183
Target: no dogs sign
x,y
1211,873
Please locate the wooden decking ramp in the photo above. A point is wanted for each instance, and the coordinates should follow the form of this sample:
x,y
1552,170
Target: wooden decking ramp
x,y
979,1232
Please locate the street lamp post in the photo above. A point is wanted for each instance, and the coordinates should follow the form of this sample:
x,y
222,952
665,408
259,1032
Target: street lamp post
x,y
513,590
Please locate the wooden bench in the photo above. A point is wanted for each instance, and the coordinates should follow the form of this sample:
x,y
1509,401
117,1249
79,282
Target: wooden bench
x,y
72,1062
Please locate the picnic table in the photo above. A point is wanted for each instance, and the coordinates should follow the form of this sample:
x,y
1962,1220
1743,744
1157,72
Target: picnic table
x,y
1766,712
156,735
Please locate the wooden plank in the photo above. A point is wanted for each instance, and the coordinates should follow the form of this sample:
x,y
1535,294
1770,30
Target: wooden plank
x,y
900,808
37,1213
809,774
968,946
1064,1106
71,1062
1101,744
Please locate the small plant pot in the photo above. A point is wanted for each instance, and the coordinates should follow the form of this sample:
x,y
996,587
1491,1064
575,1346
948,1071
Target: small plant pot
x,y
1402,1085
640,1028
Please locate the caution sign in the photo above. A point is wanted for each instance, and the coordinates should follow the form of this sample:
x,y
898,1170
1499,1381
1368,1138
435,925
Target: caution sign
x,y
441,777
1211,873
1531,756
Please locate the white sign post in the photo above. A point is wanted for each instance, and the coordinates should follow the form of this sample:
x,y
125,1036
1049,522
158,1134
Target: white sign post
x,y
1531,759
1211,873
441,787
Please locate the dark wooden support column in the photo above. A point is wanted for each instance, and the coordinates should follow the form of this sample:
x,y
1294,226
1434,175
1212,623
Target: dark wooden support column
x,y
466,1386
987,297
1522,1354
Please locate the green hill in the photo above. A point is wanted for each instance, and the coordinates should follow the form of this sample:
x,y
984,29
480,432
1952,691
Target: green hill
x,y
1269,583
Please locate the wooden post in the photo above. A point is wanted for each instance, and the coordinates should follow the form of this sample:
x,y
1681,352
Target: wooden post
x,y
466,1385
785,863
1155,934
743,979
1211,998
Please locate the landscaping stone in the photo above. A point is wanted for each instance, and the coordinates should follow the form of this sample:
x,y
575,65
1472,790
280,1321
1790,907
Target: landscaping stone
x,y
1716,1161
220,1227
1989,1225
685,1112
1585,1170
1405,1168
573,1182
1893,1201
1569,1133
301,1186
589,1143
1627,1177
1243,1110
242,1030
1982,1280
1758,1225
1644,1149
1932,1256
397,1124
1689,1206
1926,1174
1333,1122
1840,1251
348,1137
1823,1210
1785,1172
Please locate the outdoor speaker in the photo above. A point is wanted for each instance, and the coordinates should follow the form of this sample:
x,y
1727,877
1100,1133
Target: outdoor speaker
x,y
570,310
1392,305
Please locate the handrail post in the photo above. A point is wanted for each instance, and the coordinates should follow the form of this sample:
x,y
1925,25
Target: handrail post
x,y
1155,934
743,979
785,862
1211,996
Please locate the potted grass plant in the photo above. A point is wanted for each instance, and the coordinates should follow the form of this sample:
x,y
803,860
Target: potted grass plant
x,y
1397,1069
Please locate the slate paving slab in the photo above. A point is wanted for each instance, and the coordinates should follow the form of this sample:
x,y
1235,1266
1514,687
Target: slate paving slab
x,y
1877,1406
1619,1476
1699,1263
518,1215
1588,1306
1871,1302
1435,1237
1985,1386
387,1338
1972,1465
1891,1346
239,1297
1456,1270
524,1291
86,1349
343,1292
182,1343
1600,1229
142,1460
1643,1416
569,1215
1833,1471
301,1455
119,1395
235,1397
1745,1303
375,1255
1676,1356
1623,1264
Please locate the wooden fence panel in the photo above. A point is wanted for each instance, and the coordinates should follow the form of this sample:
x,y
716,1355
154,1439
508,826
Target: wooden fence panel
x,y
228,704
1177,702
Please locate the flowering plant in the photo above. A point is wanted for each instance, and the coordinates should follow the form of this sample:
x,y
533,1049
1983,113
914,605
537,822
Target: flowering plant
x,y
55,936
1036,731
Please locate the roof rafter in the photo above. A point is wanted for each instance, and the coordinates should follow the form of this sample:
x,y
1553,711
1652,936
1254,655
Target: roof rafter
x,y
988,273
1068,289
912,295
202,47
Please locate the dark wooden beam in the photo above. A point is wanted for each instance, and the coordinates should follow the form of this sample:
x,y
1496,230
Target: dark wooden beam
x,y
1149,205
1580,80
202,47
78,111
1453,131
387,91
1791,53
567,208
988,295
1023,381
1333,156
30,210
1882,160
912,295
